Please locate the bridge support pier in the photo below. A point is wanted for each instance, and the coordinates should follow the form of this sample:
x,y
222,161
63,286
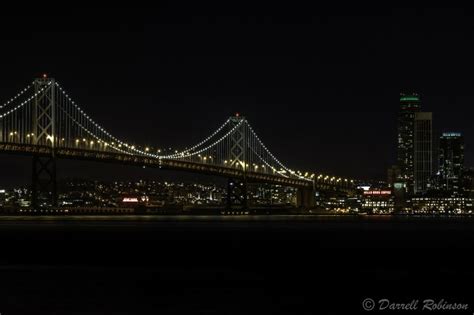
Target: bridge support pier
x,y
305,198
44,180
236,194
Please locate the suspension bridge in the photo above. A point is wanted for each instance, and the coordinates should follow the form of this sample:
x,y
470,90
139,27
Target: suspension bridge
x,y
44,122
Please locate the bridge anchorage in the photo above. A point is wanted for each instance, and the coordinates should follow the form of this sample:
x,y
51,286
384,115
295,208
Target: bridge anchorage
x,y
43,121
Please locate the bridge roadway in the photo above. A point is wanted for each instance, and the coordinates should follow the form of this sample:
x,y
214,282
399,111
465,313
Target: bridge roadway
x,y
169,164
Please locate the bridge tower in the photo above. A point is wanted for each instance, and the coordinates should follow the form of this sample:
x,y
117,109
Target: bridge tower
x,y
44,127
237,187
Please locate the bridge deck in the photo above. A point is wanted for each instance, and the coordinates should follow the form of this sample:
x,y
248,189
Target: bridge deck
x,y
168,164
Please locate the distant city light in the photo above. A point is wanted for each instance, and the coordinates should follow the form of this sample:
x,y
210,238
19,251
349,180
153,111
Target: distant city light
x,y
130,199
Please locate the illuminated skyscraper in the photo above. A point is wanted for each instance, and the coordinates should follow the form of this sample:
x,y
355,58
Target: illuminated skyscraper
x,y
414,145
451,161
409,105
423,156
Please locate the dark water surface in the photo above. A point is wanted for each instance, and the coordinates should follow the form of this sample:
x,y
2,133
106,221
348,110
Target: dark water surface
x,y
231,265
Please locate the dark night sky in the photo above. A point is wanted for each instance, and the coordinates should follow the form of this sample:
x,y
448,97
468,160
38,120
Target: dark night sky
x,y
320,86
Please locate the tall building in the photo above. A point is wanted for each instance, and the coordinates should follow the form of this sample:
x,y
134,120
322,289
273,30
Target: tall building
x,y
423,156
468,182
414,145
393,175
409,105
451,161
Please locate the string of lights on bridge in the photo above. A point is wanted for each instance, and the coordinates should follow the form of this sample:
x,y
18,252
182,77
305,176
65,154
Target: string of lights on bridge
x,y
15,97
184,154
74,124
22,104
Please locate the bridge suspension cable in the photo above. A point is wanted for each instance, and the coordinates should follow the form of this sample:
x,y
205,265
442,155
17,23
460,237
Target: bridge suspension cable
x,y
86,125
239,147
198,148
17,96
15,118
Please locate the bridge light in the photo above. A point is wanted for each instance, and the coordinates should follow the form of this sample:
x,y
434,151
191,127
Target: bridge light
x,y
45,76
147,149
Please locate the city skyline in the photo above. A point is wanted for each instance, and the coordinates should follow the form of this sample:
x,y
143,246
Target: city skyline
x,y
436,134
43,121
